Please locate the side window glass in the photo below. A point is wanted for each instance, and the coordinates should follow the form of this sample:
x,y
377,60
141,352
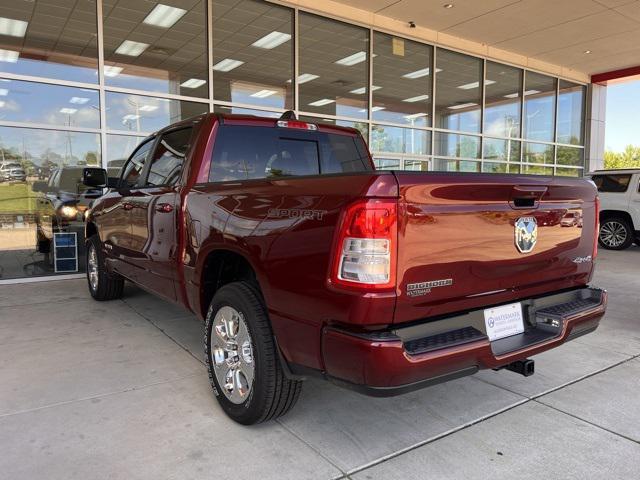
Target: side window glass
x,y
168,158
612,183
135,164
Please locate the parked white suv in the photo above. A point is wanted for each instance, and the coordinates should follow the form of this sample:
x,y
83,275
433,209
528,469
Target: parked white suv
x,y
619,192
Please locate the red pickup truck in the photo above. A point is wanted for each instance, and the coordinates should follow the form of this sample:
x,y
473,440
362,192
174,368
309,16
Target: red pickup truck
x,y
303,260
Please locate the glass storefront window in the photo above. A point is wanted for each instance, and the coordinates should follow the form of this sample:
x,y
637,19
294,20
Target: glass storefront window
x,y
56,41
138,113
253,53
416,165
568,172
539,106
571,113
119,148
537,170
386,163
402,81
538,153
42,196
32,102
455,145
503,94
496,167
570,156
458,91
156,47
501,149
333,67
361,126
447,165
245,111
400,140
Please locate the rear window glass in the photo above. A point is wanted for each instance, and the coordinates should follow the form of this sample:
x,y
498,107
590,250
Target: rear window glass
x,y
612,183
246,152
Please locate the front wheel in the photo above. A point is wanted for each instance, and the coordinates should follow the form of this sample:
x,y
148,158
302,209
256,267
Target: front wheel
x,y
102,284
242,360
615,234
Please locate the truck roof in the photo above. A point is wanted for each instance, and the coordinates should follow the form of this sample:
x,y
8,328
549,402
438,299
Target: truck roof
x,y
615,170
241,119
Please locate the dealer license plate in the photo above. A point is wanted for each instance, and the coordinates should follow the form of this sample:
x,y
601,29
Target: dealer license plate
x,y
504,321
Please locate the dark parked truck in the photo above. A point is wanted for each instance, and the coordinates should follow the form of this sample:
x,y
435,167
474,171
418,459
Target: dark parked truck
x,y
303,260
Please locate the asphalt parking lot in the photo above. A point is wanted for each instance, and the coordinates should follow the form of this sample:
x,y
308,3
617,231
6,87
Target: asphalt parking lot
x,y
118,390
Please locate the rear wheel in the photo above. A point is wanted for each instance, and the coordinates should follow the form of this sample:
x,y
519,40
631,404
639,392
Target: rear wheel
x,y
102,284
615,234
244,367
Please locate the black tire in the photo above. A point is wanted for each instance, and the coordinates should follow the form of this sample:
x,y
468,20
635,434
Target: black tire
x,y
271,394
615,234
108,286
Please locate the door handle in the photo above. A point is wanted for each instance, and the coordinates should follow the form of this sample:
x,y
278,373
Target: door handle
x,y
164,208
127,206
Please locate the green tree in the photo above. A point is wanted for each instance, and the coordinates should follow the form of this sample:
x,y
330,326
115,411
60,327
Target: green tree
x,y
629,158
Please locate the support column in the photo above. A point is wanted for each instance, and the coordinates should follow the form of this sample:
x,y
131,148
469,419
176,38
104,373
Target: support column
x,y
595,127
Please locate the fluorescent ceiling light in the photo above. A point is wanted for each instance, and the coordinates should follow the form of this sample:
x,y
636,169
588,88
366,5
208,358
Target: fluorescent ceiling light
x,y
193,83
321,102
416,99
129,117
227,65
2,103
272,40
8,56
374,109
531,92
352,59
131,48
517,94
68,111
462,105
78,100
469,86
420,73
12,28
305,77
164,16
110,71
363,90
3,92
416,115
263,93
148,108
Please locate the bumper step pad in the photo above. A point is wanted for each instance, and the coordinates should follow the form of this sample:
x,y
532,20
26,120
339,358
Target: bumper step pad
x,y
448,339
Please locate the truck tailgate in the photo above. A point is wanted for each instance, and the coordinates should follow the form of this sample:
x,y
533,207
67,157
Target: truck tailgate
x,y
457,246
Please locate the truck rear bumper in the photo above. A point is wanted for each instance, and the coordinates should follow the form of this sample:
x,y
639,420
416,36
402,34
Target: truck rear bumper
x,y
407,358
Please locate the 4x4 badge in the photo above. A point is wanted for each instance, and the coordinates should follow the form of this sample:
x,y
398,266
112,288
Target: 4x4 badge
x,y
526,234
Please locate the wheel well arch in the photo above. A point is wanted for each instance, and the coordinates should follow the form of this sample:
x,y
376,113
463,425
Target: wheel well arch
x,y
90,230
221,267
606,214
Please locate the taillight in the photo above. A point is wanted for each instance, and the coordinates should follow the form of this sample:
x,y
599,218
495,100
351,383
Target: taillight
x,y
596,234
365,255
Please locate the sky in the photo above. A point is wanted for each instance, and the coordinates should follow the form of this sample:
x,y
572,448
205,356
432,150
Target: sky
x,y
623,122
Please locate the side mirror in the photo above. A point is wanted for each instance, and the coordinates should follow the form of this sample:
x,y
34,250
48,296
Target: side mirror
x,y
94,177
39,186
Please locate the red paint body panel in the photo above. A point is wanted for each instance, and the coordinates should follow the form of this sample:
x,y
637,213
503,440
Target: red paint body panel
x,y
449,225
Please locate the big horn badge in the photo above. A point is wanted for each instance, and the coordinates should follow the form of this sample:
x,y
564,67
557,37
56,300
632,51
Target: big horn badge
x,y
526,234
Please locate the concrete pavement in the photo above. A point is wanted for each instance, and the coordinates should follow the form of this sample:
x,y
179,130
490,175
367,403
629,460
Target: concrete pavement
x,y
119,390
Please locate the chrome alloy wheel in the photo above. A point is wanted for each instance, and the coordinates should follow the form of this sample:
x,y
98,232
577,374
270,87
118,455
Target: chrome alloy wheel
x,y
613,234
232,354
92,270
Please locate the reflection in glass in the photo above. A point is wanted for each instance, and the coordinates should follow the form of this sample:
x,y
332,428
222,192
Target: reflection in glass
x,y
446,165
570,156
458,91
568,172
56,40
32,102
361,126
386,163
455,145
536,170
539,106
400,140
500,149
503,92
253,53
119,148
570,113
156,47
494,167
333,67
402,81
43,196
245,111
137,113
538,153
416,165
